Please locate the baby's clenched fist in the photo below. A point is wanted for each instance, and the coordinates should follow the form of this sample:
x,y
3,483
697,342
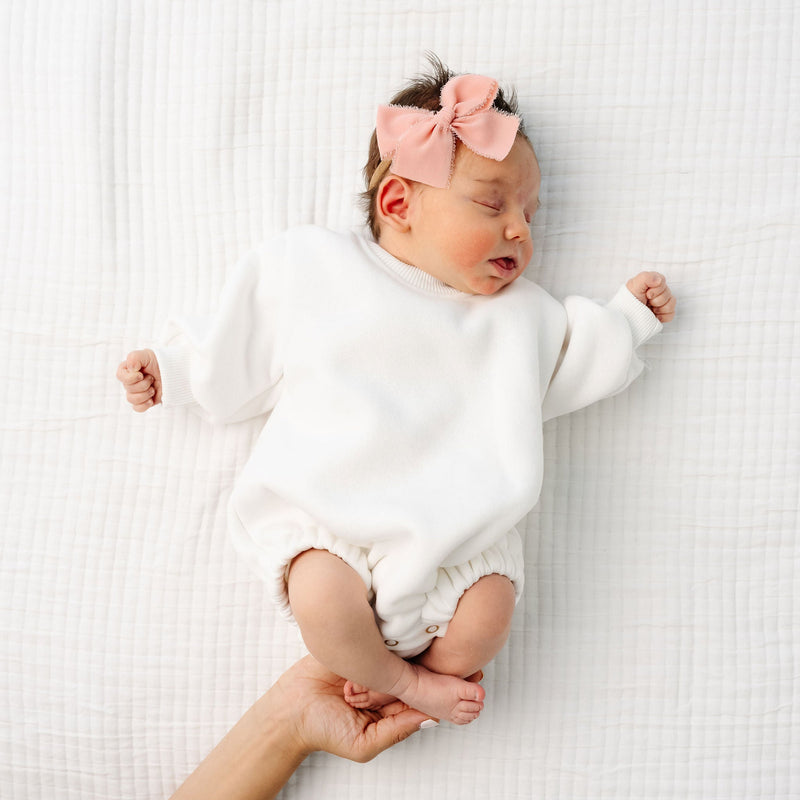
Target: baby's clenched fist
x,y
651,289
140,375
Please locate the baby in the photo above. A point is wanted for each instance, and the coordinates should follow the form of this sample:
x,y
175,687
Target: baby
x,y
407,375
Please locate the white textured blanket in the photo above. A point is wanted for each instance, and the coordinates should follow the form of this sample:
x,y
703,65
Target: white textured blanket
x,y
144,145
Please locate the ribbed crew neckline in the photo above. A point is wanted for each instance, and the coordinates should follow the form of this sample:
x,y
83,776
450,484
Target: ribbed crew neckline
x,y
413,276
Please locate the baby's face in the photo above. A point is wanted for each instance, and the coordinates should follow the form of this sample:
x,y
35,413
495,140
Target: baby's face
x,y
475,235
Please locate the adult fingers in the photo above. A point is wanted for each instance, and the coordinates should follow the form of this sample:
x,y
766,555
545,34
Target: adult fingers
x,y
390,730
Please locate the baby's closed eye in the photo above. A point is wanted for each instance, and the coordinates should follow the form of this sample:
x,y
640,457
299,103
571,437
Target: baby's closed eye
x,y
492,205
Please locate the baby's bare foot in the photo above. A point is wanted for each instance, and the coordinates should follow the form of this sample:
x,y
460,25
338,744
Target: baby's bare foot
x,y
359,696
440,696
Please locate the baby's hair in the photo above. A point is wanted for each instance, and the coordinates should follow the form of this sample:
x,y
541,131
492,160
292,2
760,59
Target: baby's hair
x,y
422,92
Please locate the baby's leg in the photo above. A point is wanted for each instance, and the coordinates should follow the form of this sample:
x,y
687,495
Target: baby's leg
x,y
478,630
476,634
329,602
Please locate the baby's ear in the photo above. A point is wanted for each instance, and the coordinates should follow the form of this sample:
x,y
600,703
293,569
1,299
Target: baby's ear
x,y
394,198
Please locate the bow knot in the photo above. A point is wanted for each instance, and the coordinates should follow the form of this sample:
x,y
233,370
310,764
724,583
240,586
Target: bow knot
x,y
444,118
422,143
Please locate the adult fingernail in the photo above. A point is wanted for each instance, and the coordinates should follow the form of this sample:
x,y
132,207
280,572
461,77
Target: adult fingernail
x,y
428,723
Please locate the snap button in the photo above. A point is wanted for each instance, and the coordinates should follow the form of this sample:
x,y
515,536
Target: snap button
x,y
431,629
391,642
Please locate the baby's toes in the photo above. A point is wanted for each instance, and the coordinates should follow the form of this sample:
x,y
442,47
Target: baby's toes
x,y
351,688
359,700
470,705
361,705
466,712
473,692
358,696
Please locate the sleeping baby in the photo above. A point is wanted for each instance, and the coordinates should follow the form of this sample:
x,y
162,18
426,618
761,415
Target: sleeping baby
x,y
407,373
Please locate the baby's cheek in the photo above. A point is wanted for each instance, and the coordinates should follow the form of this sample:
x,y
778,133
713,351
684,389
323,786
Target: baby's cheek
x,y
472,247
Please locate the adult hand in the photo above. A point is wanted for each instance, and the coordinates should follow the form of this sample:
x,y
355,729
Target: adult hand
x,y
326,722
303,711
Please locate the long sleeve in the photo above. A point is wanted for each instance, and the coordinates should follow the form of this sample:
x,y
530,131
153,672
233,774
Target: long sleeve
x,y
598,357
228,365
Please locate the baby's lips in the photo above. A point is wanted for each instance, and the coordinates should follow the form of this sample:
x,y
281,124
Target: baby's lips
x,y
505,264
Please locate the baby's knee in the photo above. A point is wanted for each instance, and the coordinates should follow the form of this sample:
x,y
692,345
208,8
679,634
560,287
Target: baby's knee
x,y
489,602
315,577
478,630
484,614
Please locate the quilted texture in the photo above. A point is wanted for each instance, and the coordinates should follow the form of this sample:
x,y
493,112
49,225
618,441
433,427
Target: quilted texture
x,y
143,146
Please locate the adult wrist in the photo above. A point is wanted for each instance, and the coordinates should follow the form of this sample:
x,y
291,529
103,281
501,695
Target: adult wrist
x,y
278,720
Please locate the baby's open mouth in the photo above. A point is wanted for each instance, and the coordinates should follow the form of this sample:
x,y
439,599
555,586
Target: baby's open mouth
x,y
505,265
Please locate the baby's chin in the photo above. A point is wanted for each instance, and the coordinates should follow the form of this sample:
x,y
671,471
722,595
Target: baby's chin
x,y
494,281
488,286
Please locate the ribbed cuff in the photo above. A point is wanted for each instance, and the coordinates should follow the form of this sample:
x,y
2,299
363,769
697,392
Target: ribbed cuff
x,y
644,323
176,387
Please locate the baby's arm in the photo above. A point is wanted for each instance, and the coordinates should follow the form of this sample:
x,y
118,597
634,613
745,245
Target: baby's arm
x,y
651,289
141,377
598,357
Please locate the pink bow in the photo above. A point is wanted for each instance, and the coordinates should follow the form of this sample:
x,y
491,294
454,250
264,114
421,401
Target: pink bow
x,y
422,143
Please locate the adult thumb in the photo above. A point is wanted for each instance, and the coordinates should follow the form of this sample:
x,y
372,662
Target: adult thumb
x,y
398,727
409,721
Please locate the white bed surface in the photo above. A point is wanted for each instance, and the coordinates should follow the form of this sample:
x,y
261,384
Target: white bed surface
x,y
145,145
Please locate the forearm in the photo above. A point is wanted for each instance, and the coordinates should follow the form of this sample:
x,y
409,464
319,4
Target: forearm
x,y
252,762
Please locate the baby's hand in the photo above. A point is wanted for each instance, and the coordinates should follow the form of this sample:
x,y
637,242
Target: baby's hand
x,y
141,377
651,289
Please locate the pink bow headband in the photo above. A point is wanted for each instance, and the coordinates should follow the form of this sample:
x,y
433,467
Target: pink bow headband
x,y
421,144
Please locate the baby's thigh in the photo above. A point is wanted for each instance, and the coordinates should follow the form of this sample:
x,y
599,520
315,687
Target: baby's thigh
x,y
487,587
318,576
488,604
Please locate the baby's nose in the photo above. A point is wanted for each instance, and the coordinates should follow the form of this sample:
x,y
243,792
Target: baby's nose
x,y
517,228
